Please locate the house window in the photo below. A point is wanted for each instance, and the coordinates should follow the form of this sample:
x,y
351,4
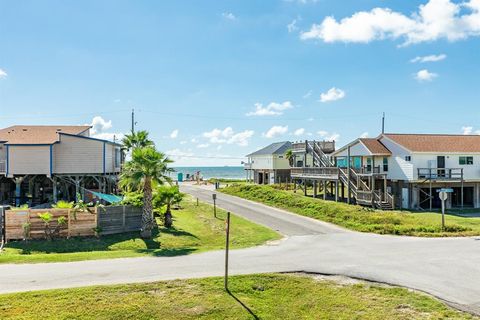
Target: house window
x,y
408,158
465,160
385,164
117,158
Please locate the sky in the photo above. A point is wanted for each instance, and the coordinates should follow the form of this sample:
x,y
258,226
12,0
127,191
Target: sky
x,y
215,80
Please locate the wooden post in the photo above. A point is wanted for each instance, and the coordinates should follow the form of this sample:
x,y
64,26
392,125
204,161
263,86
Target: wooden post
x,y
68,223
325,190
227,247
336,191
348,174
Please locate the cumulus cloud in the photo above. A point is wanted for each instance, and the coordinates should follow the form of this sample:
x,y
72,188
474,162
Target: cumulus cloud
x,y
174,134
467,130
364,135
425,75
203,145
272,109
177,154
299,132
100,129
3,74
100,125
229,16
332,95
229,136
276,131
325,135
437,19
430,58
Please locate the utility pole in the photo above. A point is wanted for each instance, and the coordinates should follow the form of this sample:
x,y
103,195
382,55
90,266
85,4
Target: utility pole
x,y
383,123
133,120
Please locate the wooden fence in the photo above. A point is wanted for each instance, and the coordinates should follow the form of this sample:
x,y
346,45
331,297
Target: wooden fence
x,y
119,219
21,224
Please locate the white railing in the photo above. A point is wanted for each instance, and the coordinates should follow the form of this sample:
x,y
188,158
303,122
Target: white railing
x,y
3,166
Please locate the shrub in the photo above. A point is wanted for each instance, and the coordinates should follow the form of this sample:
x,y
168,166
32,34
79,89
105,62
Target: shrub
x,y
63,205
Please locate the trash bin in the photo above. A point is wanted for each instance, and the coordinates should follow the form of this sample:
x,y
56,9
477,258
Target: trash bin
x,y
180,177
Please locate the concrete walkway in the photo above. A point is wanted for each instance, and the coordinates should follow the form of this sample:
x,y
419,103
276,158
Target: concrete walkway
x,y
448,268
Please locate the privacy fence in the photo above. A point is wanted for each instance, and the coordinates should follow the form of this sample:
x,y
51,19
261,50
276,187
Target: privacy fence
x,y
26,224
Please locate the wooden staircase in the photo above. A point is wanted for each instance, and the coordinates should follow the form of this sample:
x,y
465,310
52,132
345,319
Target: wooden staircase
x,y
361,192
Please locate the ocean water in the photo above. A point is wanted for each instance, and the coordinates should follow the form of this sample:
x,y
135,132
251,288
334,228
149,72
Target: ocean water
x,y
212,172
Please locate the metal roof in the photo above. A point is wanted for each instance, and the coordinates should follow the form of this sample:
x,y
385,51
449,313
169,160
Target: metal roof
x,y
274,148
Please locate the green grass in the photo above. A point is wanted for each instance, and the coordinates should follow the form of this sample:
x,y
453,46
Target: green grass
x,y
195,230
267,296
359,218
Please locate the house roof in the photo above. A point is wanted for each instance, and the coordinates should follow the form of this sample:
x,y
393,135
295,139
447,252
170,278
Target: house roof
x,y
437,142
274,148
25,135
375,146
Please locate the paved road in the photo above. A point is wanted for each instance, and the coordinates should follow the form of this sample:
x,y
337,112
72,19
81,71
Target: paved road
x,y
447,268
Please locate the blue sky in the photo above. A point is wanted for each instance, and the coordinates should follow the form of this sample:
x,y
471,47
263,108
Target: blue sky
x,y
215,80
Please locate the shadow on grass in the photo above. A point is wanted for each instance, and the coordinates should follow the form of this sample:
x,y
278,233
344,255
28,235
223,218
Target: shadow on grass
x,y
104,243
242,304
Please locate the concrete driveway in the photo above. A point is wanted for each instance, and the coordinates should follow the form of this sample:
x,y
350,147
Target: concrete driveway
x,y
448,268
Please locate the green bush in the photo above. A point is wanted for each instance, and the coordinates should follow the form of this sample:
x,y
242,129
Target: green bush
x,y
134,198
63,205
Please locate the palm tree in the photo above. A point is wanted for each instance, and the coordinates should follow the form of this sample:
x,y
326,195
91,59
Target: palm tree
x,y
136,140
290,157
147,167
168,196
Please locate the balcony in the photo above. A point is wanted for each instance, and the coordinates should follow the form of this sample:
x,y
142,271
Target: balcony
x,y
440,173
368,171
3,166
323,173
326,146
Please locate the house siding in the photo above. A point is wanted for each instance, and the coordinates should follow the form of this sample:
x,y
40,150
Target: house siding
x,y
74,155
28,160
398,167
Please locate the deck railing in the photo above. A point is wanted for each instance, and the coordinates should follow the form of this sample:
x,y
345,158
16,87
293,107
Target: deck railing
x,y
3,166
320,172
325,146
367,170
440,173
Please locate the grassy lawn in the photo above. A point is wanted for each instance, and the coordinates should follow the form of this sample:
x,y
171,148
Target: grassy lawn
x,y
195,230
267,296
359,218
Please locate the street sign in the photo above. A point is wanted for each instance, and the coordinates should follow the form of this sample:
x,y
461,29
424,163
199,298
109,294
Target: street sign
x,y
443,195
447,190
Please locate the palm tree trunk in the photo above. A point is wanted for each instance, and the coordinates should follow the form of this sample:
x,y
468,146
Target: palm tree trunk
x,y
168,217
148,221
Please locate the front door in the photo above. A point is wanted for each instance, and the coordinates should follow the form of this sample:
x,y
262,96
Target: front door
x,y
441,166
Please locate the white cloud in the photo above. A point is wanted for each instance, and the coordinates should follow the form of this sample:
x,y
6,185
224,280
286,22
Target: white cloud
x,y
228,136
3,74
425,75
174,134
203,145
332,95
229,16
177,154
99,125
437,19
325,135
467,130
183,142
364,135
299,132
272,109
292,26
276,131
430,58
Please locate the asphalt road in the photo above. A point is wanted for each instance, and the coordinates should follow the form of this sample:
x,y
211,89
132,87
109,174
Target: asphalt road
x,y
448,268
